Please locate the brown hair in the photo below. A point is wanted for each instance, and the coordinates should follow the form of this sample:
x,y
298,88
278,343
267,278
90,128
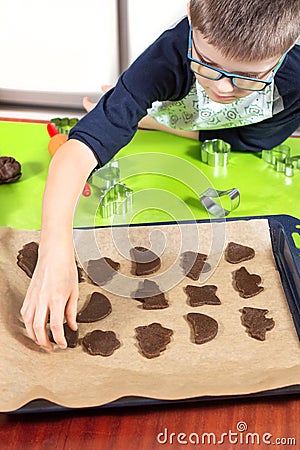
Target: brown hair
x,y
248,29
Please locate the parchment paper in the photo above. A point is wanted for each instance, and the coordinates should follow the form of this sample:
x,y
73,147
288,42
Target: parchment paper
x,y
233,363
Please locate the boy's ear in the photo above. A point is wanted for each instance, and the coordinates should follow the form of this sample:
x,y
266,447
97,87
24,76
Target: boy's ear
x,y
188,11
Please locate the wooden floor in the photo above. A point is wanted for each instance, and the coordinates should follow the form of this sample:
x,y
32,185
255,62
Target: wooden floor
x,y
234,424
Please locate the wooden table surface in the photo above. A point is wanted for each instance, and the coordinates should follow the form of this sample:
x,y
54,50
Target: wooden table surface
x,y
269,422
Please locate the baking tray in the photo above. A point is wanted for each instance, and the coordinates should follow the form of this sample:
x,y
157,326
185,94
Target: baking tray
x,y
287,258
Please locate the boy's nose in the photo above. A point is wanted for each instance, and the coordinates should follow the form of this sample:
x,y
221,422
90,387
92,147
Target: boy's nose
x,y
224,86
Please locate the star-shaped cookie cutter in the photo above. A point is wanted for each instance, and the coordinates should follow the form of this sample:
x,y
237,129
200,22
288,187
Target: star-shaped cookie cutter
x,y
215,152
215,209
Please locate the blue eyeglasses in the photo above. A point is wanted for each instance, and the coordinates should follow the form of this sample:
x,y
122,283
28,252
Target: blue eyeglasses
x,y
239,81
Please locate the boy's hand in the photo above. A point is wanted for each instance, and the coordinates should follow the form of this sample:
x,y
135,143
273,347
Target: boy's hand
x,y
53,292
87,102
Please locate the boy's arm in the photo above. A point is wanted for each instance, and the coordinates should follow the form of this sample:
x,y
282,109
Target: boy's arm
x,y
54,286
148,123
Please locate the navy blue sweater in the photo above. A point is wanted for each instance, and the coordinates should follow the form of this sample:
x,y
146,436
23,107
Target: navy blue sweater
x,y
162,72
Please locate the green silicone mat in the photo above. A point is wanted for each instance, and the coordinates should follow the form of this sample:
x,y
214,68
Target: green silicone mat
x,y
172,194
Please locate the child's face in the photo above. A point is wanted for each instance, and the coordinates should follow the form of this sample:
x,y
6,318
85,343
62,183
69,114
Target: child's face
x,y
222,90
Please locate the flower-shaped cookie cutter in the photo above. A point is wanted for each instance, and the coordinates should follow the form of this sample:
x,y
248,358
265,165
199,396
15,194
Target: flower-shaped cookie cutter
x,y
114,197
64,124
208,200
116,200
215,152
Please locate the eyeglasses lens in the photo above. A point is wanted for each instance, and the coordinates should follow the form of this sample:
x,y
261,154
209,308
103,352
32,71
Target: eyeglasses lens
x,y
250,85
241,83
204,71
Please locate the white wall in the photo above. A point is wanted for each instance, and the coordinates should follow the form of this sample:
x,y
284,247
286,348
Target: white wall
x,y
58,45
147,19
55,51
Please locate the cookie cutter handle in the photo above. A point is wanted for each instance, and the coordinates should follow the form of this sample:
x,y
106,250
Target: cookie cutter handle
x,y
213,208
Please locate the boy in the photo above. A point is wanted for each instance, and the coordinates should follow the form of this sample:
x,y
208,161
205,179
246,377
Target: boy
x,y
229,71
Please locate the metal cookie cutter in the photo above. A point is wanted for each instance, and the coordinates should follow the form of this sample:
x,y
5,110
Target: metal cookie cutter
x,y
208,196
114,197
107,176
281,160
295,161
64,124
116,200
292,163
215,152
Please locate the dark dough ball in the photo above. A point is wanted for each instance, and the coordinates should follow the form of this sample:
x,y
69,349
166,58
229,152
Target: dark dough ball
x,y
10,169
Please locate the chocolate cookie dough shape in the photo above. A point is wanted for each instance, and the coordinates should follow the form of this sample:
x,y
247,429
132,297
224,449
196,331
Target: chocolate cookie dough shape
x,y
144,261
70,335
202,295
193,264
246,284
204,328
256,323
153,339
150,295
102,270
237,253
27,257
10,170
99,342
97,308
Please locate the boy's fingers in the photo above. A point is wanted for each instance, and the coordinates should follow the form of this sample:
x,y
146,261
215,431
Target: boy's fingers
x,y
56,324
71,311
28,316
106,87
87,104
39,328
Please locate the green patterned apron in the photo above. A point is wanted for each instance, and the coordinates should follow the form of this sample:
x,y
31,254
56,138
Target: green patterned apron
x,y
197,111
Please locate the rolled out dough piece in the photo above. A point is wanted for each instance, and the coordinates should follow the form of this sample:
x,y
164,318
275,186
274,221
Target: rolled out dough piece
x,y
193,264
102,270
27,257
204,327
99,342
97,308
145,261
150,295
153,339
246,284
256,323
70,335
237,253
202,295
